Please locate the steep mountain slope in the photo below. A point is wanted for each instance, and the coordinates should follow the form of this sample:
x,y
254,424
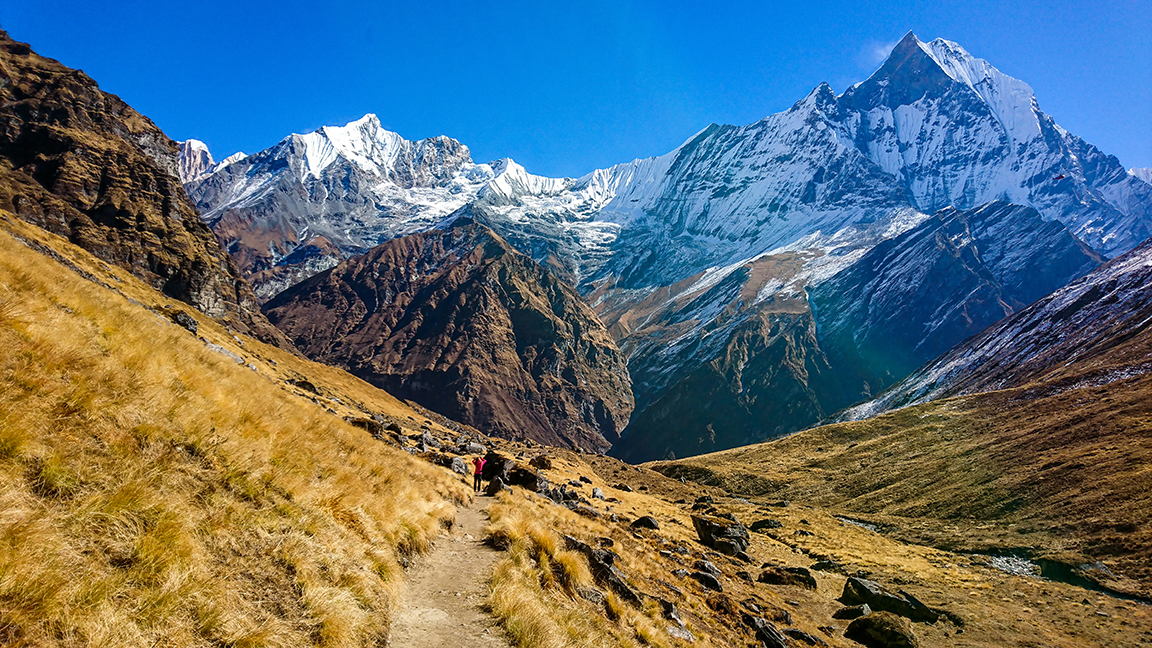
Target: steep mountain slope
x,y
81,163
913,297
1092,322
772,346
460,322
1144,174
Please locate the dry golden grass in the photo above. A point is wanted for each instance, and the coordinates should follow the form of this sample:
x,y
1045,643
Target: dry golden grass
x,y
155,492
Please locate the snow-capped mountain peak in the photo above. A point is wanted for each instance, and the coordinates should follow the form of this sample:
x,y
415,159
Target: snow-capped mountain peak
x,y
1144,174
196,161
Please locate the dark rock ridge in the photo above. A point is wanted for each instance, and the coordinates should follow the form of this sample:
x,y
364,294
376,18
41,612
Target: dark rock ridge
x,y
461,323
913,297
766,367
81,163
1099,319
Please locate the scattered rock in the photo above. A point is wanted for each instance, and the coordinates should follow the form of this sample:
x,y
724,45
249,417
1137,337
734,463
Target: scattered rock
x,y
474,448
602,564
859,590
760,526
586,480
680,573
680,633
766,633
804,637
185,320
794,576
494,487
802,532
853,612
646,522
368,425
882,630
591,594
828,566
427,439
744,575
575,484
597,494
708,581
581,509
497,465
542,462
705,566
722,534
528,479
458,466
623,487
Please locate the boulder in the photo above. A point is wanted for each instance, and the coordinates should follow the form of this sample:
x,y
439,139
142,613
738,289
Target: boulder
x,y
458,466
708,581
427,439
768,634
852,612
724,535
529,479
597,494
794,576
646,522
497,465
804,637
882,630
859,590
623,487
707,567
542,462
474,448
760,526
828,566
185,320
494,487
602,563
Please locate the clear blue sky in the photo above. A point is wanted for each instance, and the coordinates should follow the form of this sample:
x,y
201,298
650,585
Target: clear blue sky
x,y
564,88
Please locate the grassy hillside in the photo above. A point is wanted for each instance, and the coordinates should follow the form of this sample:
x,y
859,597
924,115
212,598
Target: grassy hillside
x,y
1057,471
156,491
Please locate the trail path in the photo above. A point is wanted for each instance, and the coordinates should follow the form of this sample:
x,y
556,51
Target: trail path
x,y
447,588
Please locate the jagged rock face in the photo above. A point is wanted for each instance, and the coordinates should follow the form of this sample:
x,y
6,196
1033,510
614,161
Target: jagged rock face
x,y
1101,320
81,163
460,322
354,187
771,347
911,298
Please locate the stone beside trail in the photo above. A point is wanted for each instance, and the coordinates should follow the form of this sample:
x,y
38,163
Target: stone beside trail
x,y
447,588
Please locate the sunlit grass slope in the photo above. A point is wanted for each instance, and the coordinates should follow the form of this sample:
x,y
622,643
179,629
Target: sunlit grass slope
x,y
154,491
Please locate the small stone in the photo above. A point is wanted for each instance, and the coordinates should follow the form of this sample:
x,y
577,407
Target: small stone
x,y
853,612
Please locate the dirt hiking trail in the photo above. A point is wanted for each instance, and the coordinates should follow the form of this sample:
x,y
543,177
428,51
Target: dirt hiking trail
x,y
447,588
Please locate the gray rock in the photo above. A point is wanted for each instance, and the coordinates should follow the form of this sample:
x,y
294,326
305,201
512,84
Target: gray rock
x,y
859,590
597,494
722,534
458,466
804,637
542,462
760,526
707,567
882,630
708,581
646,522
602,563
768,634
623,487
494,487
474,449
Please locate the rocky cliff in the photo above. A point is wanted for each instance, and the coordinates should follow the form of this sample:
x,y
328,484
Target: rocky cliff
x,y
461,323
81,163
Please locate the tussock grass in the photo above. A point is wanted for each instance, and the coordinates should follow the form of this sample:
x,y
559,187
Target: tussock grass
x,y
536,589
153,491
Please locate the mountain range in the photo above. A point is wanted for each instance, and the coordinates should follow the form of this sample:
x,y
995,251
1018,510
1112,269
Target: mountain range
x,y
756,276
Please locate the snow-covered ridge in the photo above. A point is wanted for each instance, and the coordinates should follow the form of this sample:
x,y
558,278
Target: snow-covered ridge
x,y
1144,174
1011,100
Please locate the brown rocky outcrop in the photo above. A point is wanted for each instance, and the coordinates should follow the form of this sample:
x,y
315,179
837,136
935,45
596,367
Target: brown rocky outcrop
x,y
461,323
81,163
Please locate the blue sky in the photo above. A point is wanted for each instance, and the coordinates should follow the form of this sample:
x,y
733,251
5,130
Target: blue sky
x,y
564,88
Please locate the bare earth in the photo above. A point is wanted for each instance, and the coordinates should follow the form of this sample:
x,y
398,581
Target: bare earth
x,y
447,588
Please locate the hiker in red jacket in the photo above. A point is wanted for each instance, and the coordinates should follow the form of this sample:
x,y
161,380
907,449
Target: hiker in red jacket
x,y
478,463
